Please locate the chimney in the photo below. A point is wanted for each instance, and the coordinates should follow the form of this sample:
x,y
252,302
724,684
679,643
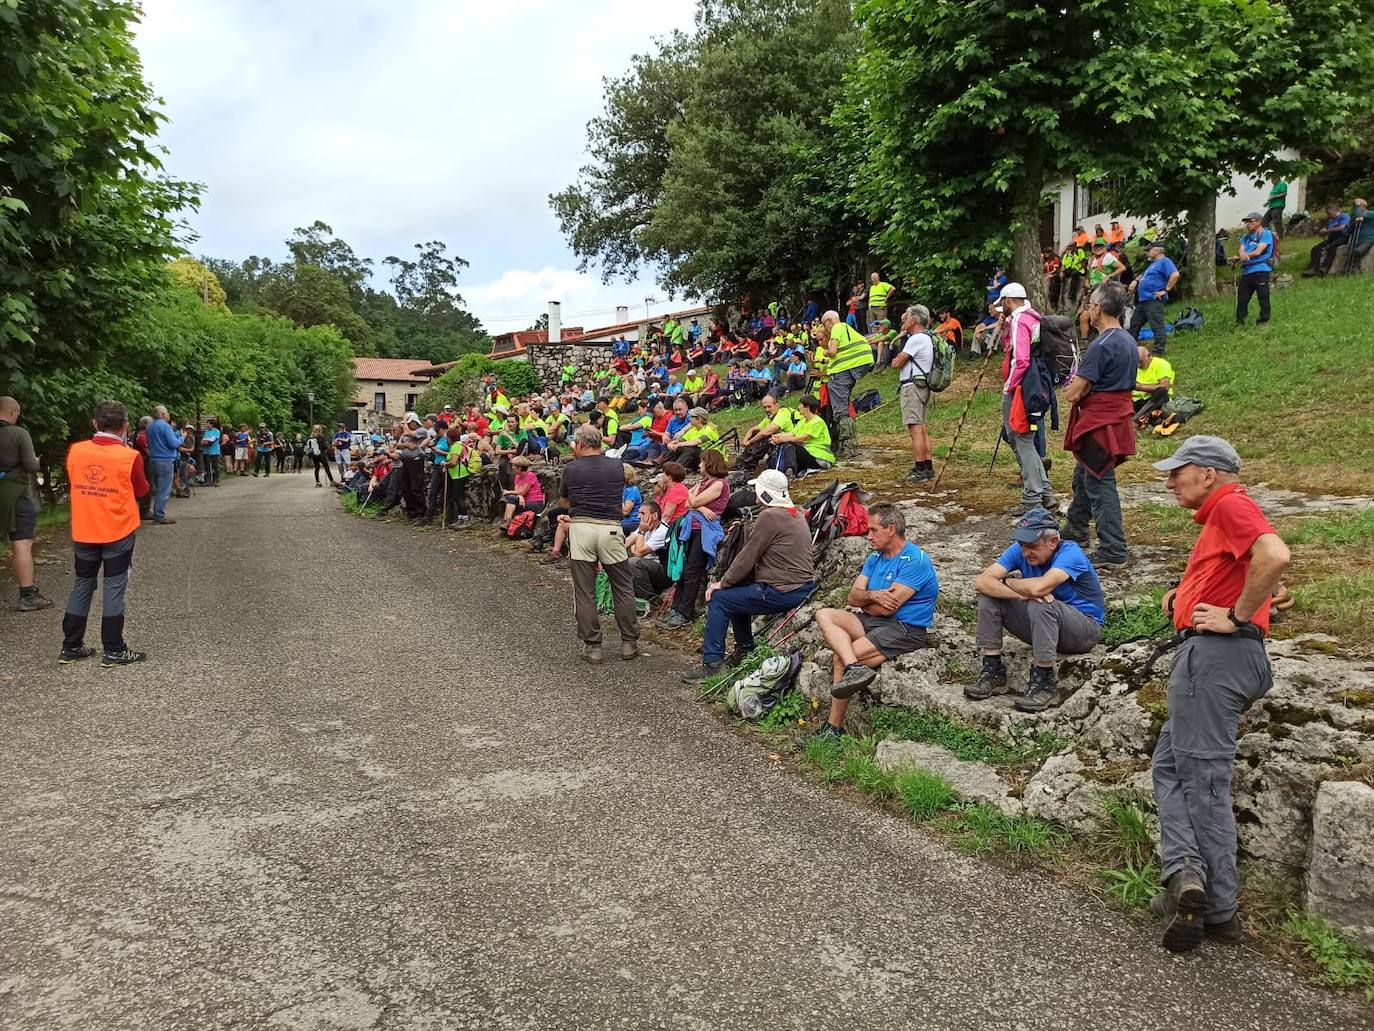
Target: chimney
x,y
555,322
622,314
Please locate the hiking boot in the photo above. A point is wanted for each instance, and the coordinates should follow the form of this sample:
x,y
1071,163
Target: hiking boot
x,y
856,677
164,521
1100,561
124,658
708,670
1225,932
919,474
33,602
552,558
674,620
738,658
592,654
1159,905
1041,690
992,680
828,732
1022,507
630,650
1184,901
1048,503
70,655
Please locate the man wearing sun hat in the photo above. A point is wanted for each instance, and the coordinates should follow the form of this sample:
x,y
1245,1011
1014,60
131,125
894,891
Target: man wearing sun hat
x,y
1221,612
773,572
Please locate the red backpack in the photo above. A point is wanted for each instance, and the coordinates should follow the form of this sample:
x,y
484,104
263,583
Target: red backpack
x,y
521,527
853,515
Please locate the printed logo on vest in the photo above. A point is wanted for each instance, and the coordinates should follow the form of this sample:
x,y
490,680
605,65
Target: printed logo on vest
x,y
95,475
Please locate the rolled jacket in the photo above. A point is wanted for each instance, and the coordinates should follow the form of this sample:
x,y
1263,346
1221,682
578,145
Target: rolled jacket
x,y
1101,431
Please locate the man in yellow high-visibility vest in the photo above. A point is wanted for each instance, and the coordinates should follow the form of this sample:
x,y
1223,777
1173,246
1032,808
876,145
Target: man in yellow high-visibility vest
x,y
878,292
849,357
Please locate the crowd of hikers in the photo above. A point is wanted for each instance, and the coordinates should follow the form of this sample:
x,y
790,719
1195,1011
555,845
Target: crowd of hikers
x,y
623,475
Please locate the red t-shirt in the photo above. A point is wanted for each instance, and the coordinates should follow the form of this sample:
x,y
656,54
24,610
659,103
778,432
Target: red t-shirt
x,y
753,348
673,501
1231,522
660,423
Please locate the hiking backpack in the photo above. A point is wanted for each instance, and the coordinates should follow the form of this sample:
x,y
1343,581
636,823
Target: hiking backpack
x,y
521,528
866,402
941,372
1056,344
754,695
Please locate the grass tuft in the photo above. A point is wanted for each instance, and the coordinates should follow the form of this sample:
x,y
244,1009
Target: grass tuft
x,y
1132,885
1130,624
924,794
964,741
1344,964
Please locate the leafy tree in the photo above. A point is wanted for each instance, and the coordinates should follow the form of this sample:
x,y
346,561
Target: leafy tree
x,y
606,212
194,276
1300,81
312,296
752,202
961,115
317,245
86,217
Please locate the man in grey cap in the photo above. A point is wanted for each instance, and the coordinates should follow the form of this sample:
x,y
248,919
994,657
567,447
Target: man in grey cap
x,y
1151,289
1041,590
1256,258
1221,611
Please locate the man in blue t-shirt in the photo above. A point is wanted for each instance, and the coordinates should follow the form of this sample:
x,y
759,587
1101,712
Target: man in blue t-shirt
x,y
1333,234
895,594
1041,590
210,452
1256,257
1151,289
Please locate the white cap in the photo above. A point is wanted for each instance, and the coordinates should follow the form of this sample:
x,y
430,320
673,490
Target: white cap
x,y
1013,290
770,487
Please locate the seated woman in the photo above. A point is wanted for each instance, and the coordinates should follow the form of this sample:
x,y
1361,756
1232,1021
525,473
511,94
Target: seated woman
x,y
632,498
807,446
710,389
671,493
527,495
705,503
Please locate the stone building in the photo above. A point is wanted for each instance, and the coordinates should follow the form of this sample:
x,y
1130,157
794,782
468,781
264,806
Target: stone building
x,y
384,390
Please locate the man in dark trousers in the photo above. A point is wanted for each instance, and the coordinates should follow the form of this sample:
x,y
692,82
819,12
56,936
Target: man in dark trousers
x,y
18,513
106,479
1101,430
593,488
1221,611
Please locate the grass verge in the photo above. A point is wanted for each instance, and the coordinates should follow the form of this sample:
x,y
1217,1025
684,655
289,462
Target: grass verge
x,y
964,741
1343,964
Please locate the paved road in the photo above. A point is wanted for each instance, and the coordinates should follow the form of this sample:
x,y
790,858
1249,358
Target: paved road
x,y
362,784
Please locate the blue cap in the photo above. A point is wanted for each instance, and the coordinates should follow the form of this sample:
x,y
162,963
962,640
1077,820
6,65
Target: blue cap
x,y
1032,525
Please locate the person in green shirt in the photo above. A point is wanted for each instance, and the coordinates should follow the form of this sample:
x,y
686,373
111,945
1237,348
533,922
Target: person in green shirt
x,y
806,446
877,299
1273,207
1154,383
693,385
701,436
759,440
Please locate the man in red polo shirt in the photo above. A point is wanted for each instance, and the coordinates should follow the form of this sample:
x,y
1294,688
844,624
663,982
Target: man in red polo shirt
x,y
1221,611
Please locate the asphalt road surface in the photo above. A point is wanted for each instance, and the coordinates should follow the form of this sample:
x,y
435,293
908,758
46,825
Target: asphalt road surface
x,y
364,782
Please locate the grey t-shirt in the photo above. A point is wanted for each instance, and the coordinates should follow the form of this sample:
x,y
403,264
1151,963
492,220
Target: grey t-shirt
x,y
16,451
594,486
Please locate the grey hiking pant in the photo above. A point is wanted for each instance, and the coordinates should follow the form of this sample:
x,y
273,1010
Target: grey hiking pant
x,y
1048,627
116,558
1215,678
1151,311
1035,482
840,390
1097,500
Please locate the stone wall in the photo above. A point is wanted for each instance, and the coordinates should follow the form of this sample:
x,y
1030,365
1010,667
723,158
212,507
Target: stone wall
x,y
548,360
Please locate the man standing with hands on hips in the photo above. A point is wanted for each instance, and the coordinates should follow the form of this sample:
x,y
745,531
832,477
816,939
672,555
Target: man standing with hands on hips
x,y
1221,611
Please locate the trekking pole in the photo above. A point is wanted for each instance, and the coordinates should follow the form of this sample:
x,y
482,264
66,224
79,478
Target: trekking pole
x,y
443,514
1350,246
997,447
960,428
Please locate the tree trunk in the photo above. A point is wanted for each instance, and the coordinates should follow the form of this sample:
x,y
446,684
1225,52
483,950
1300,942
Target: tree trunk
x,y
1200,277
1026,268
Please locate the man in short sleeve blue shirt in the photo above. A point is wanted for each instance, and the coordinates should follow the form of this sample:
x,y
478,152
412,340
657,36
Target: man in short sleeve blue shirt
x,y
211,452
1152,293
1256,257
1333,234
895,594
1041,590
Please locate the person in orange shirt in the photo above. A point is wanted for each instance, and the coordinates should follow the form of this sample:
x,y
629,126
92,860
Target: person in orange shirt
x,y
1116,233
1080,238
951,329
106,479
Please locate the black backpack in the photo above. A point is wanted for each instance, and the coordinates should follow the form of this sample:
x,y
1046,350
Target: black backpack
x,y
1057,346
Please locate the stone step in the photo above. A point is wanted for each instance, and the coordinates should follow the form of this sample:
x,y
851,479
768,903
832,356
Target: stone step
x,y
974,781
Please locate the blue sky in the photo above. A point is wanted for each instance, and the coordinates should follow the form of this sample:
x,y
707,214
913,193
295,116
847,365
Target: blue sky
x,y
396,123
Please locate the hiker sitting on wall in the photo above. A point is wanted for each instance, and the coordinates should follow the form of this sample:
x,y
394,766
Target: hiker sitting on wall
x,y
895,594
759,439
1041,590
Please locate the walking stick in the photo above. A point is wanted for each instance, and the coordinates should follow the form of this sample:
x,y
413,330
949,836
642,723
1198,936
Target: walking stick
x,y
997,447
960,428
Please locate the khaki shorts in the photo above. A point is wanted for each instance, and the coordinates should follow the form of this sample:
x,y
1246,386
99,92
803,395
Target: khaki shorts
x,y
596,542
914,399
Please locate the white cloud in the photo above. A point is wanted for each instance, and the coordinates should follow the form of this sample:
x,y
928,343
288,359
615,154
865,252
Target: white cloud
x,y
393,122
518,297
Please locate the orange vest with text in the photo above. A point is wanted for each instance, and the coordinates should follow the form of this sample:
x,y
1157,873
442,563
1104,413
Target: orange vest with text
x,y
100,476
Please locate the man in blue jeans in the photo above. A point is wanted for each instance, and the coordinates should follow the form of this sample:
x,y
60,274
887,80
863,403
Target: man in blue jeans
x,y
772,573
164,448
